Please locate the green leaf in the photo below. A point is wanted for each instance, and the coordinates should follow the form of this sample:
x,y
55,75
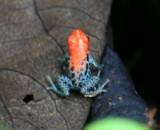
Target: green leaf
x,y
115,124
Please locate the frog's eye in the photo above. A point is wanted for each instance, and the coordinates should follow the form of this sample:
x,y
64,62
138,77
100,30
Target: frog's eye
x,y
71,40
85,39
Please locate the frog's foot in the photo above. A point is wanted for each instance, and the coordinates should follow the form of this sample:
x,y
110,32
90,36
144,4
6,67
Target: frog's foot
x,y
92,61
100,70
63,85
96,65
90,89
64,60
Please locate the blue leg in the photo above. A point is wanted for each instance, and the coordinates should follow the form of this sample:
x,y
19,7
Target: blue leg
x,y
64,60
92,61
63,87
90,88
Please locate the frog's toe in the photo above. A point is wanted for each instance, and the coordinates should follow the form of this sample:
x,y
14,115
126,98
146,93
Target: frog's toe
x,y
49,88
101,90
104,90
94,93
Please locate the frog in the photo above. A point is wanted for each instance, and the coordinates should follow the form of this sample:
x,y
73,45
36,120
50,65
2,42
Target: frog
x,y
78,63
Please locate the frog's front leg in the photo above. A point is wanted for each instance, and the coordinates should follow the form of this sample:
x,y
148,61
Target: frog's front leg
x,y
65,60
64,84
90,88
92,61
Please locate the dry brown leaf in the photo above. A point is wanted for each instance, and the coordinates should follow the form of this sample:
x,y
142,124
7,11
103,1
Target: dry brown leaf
x,y
33,35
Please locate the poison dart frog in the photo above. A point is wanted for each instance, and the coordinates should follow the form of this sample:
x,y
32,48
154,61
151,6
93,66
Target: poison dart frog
x,y
79,69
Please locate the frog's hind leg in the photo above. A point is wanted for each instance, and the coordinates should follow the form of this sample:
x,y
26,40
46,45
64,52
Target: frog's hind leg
x,y
63,85
90,88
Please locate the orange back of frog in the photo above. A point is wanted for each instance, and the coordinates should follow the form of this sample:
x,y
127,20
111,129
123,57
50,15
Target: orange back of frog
x,y
78,48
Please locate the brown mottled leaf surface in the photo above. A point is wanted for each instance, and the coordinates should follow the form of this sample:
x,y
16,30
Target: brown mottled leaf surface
x,y
33,35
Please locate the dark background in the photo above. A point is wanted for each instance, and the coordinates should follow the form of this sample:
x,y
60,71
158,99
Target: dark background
x,y
136,34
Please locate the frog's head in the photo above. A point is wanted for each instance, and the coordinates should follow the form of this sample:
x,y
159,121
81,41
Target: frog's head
x,y
78,40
